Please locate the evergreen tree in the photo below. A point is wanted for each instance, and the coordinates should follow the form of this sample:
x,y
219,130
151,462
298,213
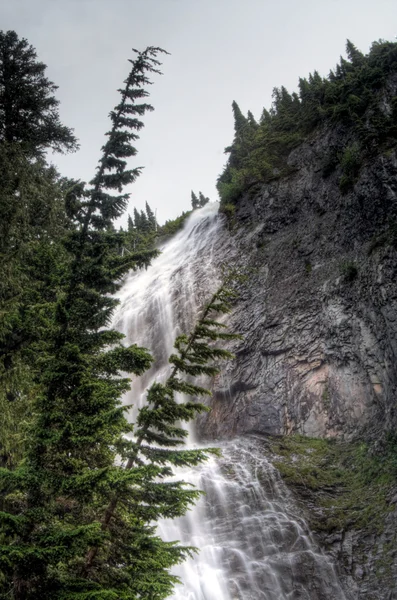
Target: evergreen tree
x,y
265,119
76,524
236,175
194,200
32,223
349,96
78,424
251,120
354,55
151,218
285,110
32,220
172,226
203,200
144,223
137,220
240,122
130,225
28,108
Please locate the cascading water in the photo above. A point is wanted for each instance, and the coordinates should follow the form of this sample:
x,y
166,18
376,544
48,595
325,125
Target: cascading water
x,y
252,543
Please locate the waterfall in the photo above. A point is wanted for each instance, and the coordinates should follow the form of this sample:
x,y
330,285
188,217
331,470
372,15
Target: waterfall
x,y
253,543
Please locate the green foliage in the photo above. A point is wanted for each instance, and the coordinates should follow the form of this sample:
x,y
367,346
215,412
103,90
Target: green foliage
x,y
28,109
172,226
203,200
232,186
151,219
259,150
32,221
349,271
229,210
141,232
353,96
194,200
350,162
79,497
144,232
351,483
200,201
75,420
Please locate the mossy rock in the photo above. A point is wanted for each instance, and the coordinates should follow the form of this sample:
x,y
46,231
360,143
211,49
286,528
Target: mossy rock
x,y
348,484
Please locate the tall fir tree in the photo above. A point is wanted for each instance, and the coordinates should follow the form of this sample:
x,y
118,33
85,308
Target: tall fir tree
x,y
137,220
78,419
32,222
240,121
144,223
355,56
251,120
28,108
78,512
130,225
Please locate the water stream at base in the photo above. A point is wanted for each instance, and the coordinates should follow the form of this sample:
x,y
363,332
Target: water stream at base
x,y
253,544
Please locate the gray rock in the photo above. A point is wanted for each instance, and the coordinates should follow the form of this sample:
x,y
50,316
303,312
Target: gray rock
x,y
319,349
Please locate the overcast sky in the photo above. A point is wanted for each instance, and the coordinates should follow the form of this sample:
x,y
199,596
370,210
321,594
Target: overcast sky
x,y
221,50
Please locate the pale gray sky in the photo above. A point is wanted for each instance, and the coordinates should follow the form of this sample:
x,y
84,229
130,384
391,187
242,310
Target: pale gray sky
x,y
221,50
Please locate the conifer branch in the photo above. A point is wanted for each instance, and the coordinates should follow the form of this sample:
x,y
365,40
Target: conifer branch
x,y
102,208
192,360
120,135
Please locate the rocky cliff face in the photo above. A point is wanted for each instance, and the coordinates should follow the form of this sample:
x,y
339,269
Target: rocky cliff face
x,y
318,311
318,315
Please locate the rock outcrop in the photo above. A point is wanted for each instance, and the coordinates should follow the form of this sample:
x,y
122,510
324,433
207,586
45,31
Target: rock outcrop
x,y
318,311
318,316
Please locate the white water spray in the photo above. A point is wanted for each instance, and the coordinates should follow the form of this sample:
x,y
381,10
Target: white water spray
x,y
252,543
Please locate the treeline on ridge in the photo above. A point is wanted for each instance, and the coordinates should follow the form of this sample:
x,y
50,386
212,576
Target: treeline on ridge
x,y
351,97
143,230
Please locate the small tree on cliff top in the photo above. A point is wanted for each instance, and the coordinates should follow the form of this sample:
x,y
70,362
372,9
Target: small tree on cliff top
x,y
194,200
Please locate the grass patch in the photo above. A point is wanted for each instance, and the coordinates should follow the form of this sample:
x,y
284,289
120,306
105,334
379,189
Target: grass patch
x,y
229,210
348,484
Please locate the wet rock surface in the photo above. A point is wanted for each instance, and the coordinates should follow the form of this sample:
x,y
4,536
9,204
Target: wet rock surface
x,y
318,311
318,315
